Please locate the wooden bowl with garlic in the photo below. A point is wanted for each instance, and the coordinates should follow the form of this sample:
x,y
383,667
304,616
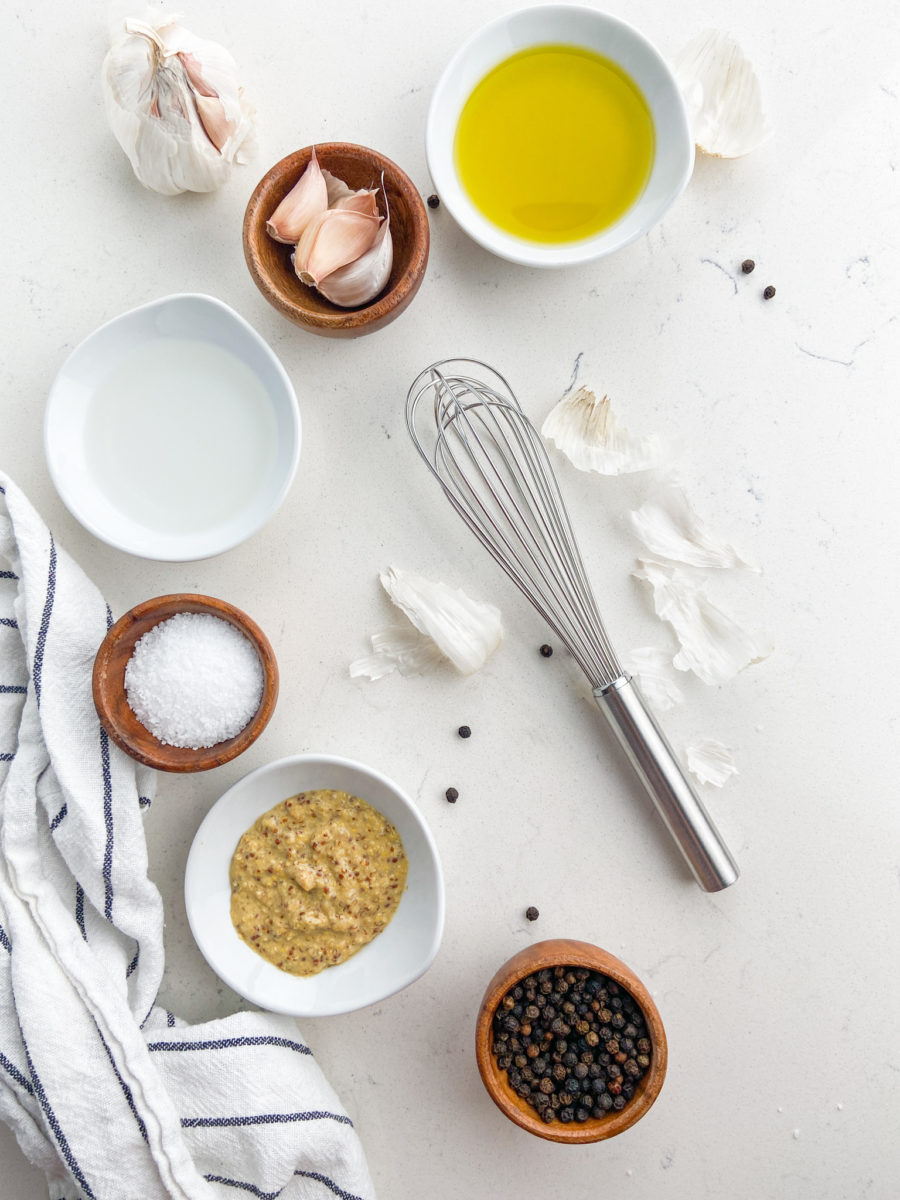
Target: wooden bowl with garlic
x,y
336,238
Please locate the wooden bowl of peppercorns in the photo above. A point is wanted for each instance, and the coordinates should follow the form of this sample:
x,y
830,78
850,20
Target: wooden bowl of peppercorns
x,y
569,1043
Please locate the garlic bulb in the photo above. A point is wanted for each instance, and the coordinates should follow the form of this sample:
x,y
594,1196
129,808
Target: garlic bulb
x,y
588,433
722,95
303,203
175,106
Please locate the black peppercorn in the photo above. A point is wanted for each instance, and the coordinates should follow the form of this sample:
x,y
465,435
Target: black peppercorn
x,y
464,731
546,651
768,293
452,795
532,913
747,265
434,201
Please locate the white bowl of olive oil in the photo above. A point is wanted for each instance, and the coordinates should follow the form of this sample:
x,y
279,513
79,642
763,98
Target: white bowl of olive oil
x,y
173,431
557,135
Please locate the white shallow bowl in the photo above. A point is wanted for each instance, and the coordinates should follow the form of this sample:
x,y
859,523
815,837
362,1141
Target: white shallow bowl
x,y
391,961
569,25
216,405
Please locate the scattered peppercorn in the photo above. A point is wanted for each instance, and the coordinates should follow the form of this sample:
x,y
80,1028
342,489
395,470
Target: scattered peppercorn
x,y
464,731
567,1062
434,201
546,651
532,913
768,293
747,265
452,795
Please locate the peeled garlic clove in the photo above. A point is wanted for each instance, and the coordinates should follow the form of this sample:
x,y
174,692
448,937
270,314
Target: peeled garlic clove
x,y
306,199
587,431
722,95
361,281
331,240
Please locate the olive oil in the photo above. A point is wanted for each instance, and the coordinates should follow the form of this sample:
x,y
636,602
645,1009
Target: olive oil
x,y
555,144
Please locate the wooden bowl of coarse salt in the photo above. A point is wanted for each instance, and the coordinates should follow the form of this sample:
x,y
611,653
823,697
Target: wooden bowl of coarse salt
x,y
185,682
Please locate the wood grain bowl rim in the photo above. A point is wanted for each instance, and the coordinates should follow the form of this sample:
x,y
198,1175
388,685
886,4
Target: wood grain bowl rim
x,y
570,953
333,320
108,684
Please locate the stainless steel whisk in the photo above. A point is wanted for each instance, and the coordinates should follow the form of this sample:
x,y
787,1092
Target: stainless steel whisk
x,y
493,467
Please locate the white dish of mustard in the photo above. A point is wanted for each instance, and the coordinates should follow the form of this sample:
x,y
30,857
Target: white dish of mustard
x,y
400,953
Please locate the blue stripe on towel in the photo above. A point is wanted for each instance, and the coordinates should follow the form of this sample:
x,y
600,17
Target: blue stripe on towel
x,y
170,1021
4,940
53,1122
262,1119
9,622
8,575
13,1070
225,1043
41,643
7,757
59,817
108,819
124,1086
13,689
79,909
245,1187
144,801
132,966
329,1183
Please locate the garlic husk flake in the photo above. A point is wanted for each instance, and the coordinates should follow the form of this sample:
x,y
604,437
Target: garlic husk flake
x,y
709,761
466,631
361,280
333,239
670,529
712,644
587,431
397,648
722,95
653,669
303,203
175,106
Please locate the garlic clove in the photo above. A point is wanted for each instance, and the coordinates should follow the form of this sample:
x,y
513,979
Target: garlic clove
x,y
362,201
330,241
210,108
587,431
361,280
305,201
722,94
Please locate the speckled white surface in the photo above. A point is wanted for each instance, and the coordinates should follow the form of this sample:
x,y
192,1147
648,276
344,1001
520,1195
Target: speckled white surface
x,y
781,995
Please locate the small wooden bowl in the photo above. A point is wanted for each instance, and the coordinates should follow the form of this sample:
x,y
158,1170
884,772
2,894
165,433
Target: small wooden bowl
x,y
111,702
270,261
562,952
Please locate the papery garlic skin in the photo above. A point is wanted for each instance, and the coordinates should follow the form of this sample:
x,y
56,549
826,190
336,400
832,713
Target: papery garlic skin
x,y
713,645
587,431
466,631
332,240
653,669
303,203
670,529
722,96
710,762
399,648
175,106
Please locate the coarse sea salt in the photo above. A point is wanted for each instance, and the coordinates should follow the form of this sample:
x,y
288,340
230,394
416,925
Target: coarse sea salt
x,y
194,681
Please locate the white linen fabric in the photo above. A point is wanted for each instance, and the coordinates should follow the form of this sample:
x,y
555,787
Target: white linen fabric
x,y
111,1095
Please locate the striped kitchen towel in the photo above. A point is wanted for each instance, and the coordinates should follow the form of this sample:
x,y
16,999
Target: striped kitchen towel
x,y
112,1096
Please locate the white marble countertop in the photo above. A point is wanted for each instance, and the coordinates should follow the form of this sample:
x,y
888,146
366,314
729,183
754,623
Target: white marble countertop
x,y
781,995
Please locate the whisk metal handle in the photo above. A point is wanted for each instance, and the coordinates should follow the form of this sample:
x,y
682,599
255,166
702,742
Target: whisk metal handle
x,y
661,774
